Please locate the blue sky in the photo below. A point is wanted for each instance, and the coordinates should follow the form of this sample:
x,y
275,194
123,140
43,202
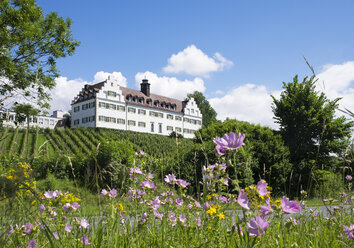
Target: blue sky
x,y
236,52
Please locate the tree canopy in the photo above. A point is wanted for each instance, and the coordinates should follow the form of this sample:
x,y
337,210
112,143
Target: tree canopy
x,y
30,43
309,126
209,114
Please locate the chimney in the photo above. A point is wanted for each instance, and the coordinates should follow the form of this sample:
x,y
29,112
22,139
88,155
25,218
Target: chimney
x,y
145,87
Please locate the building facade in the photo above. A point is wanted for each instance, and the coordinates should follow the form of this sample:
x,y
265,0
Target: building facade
x,y
109,105
9,119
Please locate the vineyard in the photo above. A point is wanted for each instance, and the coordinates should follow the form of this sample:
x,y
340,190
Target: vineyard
x,y
38,142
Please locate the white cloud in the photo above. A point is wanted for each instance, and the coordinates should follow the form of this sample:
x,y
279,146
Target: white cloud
x,y
219,92
248,102
65,90
170,86
338,81
194,62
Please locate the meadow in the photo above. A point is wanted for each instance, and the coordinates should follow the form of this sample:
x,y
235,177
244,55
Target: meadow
x,y
151,205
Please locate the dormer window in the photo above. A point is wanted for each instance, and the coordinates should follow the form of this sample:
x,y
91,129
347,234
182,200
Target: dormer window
x,y
141,100
157,103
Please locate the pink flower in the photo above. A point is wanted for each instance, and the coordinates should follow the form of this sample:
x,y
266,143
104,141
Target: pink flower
x,y
182,183
262,188
52,194
265,210
66,207
257,226
228,142
56,235
32,243
182,218
68,227
170,179
290,206
349,177
112,193
172,218
135,170
84,223
243,200
179,202
85,240
28,228
41,208
148,184
75,205
104,192
199,222
349,231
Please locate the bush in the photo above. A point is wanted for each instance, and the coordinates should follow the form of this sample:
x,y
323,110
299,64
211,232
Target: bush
x,y
327,183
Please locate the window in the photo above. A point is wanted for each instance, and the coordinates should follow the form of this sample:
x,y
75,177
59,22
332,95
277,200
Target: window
x,y
34,119
111,93
152,127
178,118
106,119
178,129
169,128
52,122
149,102
141,100
76,122
112,106
161,115
141,112
91,118
121,108
160,128
77,109
152,113
101,105
188,112
197,112
120,121
170,117
101,118
131,110
141,124
85,106
192,111
131,123
46,121
156,103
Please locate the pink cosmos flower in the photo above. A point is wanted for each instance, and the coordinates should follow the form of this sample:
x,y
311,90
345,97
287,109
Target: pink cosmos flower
x,y
290,206
157,215
182,183
257,226
150,176
294,221
228,142
32,243
112,193
170,179
265,210
262,188
11,230
243,200
85,240
84,223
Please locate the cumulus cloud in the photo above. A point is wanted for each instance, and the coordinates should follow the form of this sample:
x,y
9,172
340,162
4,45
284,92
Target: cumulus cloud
x,y
338,81
170,86
65,89
247,102
195,62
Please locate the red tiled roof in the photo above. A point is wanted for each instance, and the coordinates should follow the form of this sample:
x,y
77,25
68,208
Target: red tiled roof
x,y
88,90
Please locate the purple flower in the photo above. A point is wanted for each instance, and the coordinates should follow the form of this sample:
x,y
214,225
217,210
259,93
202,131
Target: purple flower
x,y
144,217
257,226
28,228
135,170
179,202
156,203
75,205
136,154
225,181
182,218
32,243
262,188
349,177
229,142
56,235
182,183
197,204
68,227
150,176
41,208
85,240
157,215
11,230
112,193
172,218
294,221
84,223
104,192
243,200
265,210
52,194
349,230
148,184
289,206
199,222
170,179
142,153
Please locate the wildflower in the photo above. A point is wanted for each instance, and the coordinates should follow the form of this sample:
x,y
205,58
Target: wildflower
x,y
41,208
144,217
52,194
66,207
197,204
231,142
257,226
182,183
150,176
294,221
85,240
135,170
179,202
104,192
289,206
199,222
157,215
75,205
182,218
148,184
170,179
349,177
262,188
68,227
349,231
212,210
243,200
84,223
265,210
11,230
56,235
28,228
225,182
32,243
112,193
221,216
142,153
172,218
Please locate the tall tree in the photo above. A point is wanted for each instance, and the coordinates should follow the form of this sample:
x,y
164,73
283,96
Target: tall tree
x,y
309,127
24,111
209,114
30,43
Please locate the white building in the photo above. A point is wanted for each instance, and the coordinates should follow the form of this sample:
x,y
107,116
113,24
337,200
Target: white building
x,y
9,119
109,105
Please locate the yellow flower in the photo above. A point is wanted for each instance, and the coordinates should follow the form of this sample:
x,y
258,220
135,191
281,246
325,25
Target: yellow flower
x,y
34,202
12,171
212,210
10,178
121,207
277,202
221,216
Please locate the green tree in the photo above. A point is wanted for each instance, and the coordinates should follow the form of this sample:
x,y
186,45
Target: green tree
x,y
30,43
24,111
209,114
309,128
